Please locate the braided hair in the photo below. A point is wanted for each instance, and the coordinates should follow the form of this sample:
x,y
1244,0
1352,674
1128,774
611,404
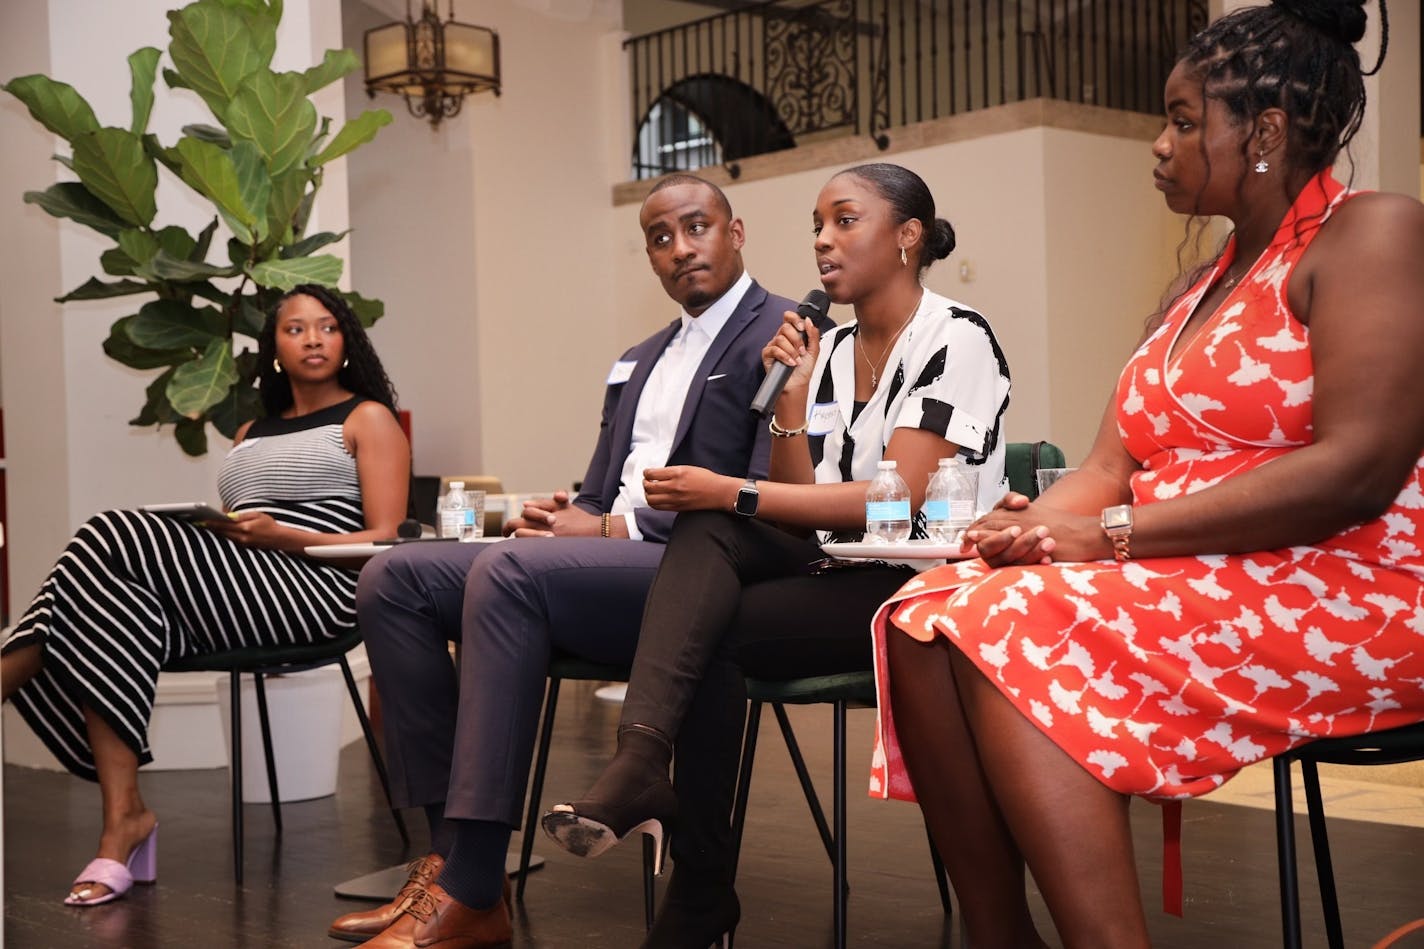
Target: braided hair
x,y
1297,56
362,373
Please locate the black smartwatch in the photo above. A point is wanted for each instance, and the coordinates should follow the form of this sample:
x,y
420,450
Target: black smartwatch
x,y
747,497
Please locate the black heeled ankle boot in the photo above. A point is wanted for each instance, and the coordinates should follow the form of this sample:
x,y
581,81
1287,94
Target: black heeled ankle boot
x,y
695,915
633,795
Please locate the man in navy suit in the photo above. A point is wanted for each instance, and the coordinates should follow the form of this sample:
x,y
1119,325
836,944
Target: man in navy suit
x,y
573,579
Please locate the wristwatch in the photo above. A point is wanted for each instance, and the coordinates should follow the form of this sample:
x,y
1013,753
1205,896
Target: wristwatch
x,y
747,497
1117,524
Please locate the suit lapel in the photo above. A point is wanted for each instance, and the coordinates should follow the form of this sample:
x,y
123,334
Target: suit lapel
x,y
745,312
647,356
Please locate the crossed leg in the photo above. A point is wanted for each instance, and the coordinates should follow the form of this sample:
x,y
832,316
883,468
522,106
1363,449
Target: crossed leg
x,y
127,820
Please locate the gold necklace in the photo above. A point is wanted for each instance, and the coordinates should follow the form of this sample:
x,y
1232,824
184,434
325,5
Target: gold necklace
x,y
875,376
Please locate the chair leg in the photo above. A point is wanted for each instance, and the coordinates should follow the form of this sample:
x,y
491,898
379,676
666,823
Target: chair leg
x,y
838,810
536,788
941,880
744,781
266,722
1324,870
370,735
793,748
235,759
1285,855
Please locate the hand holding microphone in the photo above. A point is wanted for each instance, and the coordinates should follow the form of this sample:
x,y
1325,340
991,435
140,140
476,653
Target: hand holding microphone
x,y
811,308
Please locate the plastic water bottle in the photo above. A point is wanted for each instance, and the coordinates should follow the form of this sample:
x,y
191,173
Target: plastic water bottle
x,y
887,506
950,500
457,518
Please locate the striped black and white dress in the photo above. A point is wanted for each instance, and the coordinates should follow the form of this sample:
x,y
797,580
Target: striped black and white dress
x,y
133,590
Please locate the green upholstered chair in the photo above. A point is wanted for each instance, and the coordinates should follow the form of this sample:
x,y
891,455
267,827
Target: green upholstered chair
x,y
262,661
852,690
1386,747
562,667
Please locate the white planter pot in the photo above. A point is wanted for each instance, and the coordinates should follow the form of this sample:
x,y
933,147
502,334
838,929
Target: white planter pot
x,y
305,711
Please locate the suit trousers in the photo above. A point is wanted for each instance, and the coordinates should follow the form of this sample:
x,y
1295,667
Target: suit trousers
x,y
737,597
465,736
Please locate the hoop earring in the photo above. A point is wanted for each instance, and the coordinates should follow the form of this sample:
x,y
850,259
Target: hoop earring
x,y
276,366
904,260
1262,166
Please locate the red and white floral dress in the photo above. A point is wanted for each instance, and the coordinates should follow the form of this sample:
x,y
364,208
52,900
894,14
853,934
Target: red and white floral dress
x,y
1163,677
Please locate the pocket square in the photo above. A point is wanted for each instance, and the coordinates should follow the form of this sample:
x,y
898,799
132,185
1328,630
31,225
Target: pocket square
x,y
720,375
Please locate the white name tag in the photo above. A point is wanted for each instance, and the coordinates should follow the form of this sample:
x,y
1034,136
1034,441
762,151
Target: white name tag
x,y
245,443
622,371
824,418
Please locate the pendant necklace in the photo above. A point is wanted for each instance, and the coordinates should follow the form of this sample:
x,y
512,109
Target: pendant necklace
x,y
875,376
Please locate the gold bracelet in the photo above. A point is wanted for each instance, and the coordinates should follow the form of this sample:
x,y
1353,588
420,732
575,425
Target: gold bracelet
x,y
779,432
605,529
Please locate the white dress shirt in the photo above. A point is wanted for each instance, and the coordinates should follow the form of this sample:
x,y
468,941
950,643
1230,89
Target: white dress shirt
x,y
660,405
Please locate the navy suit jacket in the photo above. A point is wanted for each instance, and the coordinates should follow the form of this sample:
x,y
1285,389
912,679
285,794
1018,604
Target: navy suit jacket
x,y
717,429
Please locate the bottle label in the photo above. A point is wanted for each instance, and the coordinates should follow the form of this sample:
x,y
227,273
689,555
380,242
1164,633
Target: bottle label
x,y
936,511
887,511
960,511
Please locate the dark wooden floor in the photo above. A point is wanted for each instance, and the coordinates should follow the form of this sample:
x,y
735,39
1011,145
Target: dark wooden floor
x,y
51,826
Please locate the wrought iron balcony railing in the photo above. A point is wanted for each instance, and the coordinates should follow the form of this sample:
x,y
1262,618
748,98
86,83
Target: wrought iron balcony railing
x,y
778,74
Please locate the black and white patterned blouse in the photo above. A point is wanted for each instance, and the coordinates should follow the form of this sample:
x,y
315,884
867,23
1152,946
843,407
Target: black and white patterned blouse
x,y
946,374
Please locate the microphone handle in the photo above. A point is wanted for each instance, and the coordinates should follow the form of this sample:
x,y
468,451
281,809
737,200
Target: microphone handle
x,y
771,387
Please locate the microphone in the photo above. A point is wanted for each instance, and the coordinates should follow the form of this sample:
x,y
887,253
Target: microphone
x,y
812,306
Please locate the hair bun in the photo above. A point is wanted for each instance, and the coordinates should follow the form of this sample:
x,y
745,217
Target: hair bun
x,y
940,241
1343,20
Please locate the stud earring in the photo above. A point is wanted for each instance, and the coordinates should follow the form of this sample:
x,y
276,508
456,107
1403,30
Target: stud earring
x,y
1262,166
276,366
904,260
345,362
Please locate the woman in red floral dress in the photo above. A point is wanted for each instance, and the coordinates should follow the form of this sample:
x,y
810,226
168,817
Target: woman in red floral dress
x,y
1238,566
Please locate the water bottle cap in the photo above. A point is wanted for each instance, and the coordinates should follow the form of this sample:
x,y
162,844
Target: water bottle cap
x,y
885,464
457,485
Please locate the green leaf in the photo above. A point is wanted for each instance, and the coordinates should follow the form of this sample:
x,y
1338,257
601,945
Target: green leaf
x,y
205,240
156,410
206,291
242,404
64,160
139,246
215,48
272,112
358,131
56,105
286,274
254,186
167,267
192,437
121,348
72,200
96,289
143,65
210,171
113,165
305,246
174,80
203,382
168,157
367,311
176,242
250,317
117,263
168,324
334,65
208,133
287,192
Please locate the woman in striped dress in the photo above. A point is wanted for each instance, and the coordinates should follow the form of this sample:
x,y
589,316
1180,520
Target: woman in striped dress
x,y
133,590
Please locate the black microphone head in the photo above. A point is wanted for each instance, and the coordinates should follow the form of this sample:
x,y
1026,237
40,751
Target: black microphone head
x,y
409,528
814,304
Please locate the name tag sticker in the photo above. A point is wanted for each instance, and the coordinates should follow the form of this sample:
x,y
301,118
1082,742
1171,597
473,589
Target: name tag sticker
x,y
824,417
245,443
622,371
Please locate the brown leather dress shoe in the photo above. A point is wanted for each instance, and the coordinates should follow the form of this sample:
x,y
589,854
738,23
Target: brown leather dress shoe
x,y
448,924
358,927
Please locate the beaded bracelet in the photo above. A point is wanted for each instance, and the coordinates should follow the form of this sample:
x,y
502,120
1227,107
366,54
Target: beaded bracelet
x,y
779,432
605,528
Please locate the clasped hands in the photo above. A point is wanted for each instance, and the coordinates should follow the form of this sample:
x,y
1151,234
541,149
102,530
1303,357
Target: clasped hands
x,y
553,517
1020,532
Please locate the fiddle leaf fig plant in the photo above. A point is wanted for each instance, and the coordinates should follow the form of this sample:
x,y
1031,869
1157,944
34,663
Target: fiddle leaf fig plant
x,y
259,164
